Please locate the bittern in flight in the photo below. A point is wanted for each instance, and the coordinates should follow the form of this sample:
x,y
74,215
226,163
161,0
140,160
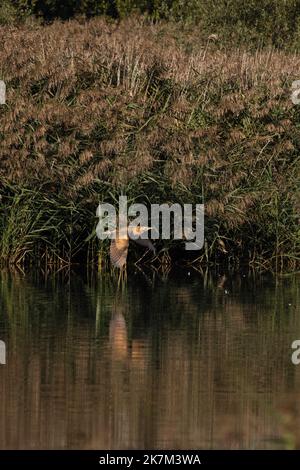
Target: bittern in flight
x,y
119,245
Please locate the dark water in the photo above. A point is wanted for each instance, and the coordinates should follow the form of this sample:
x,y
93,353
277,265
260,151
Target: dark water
x,y
178,362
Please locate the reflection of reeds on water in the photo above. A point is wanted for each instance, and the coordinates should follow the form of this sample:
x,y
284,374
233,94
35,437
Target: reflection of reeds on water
x,y
184,367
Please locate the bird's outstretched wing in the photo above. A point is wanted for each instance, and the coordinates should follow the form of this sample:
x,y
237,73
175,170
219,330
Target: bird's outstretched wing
x,y
118,252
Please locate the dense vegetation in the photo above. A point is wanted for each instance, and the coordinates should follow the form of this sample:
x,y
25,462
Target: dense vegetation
x,y
153,110
261,22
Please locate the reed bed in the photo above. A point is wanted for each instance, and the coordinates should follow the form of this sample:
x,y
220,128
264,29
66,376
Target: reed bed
x,y
97,108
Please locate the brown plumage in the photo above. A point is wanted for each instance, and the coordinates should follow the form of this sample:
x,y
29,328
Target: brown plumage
x,y
118,252
119,245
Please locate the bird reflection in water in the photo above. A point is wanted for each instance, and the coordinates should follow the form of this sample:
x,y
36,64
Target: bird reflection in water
x,y
118,337
130,353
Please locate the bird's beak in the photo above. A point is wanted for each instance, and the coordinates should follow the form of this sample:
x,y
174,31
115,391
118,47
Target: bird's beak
x,y
152,228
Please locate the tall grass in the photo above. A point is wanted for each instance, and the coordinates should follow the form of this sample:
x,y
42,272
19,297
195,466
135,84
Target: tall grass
x,y
263,22
96,108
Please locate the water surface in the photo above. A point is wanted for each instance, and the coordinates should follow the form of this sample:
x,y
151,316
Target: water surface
x,y
184,361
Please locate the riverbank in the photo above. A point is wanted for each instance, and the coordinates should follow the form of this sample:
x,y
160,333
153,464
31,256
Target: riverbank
x,y
95,109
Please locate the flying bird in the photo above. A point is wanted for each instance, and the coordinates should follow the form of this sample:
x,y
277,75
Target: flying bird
x,y
120,244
